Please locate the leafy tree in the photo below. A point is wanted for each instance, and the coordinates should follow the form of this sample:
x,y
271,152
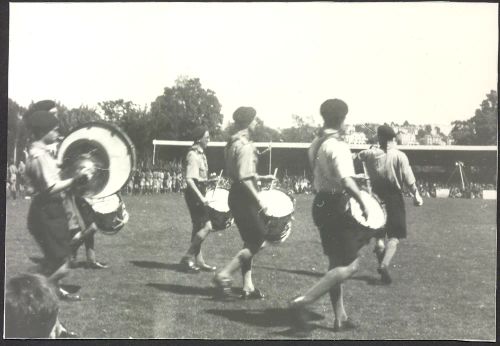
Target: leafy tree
x,y
114,111
481,129
70,119
17,135
302,131
181,108
262,133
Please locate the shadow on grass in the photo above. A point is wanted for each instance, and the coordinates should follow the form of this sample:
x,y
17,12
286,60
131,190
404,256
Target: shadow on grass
x,y
370,280
211,293
271,317
184,290
158,265
293,271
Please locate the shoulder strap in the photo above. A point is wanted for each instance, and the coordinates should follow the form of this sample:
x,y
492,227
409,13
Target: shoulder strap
x,y
318,146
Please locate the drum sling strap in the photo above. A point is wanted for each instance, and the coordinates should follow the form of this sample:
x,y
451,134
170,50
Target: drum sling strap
x,y
322,140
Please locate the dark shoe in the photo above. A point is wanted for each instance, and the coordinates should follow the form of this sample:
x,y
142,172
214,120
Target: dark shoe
x,y
206,268
385,277
255,294
300,318
223,286
188,266
97,265
70,297
344,325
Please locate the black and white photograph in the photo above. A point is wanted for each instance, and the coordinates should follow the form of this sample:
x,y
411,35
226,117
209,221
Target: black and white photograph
x,y
251,170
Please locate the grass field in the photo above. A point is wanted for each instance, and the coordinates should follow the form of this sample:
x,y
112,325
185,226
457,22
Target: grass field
x,y
444,277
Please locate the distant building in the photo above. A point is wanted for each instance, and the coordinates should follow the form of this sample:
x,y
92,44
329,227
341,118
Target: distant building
x,y
355,138
407,138
434,139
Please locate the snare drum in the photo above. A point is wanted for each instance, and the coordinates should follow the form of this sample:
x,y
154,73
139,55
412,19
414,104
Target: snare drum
x,y
377,214
280,207
110,213
218,209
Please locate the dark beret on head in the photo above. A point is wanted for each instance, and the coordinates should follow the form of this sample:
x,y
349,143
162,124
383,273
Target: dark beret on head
x,y
42,122
333,111
385,133
198,132
243,116
44,105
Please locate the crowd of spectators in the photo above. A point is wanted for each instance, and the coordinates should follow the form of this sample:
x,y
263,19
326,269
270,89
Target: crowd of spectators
x,y
168,177
469,190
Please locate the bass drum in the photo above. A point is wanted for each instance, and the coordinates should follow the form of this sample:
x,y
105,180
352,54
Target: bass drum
x,y
110,214
218,209
280,209
377,214
105,150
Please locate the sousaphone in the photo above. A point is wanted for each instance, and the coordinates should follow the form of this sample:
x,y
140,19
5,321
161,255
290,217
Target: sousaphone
x,y
109,154
104,149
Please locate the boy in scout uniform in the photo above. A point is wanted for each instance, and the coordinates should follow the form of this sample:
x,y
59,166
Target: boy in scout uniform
x,y
244,202
388,170
197,179
333,169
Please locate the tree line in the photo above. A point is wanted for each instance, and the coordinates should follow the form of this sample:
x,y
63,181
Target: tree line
x,y
174,114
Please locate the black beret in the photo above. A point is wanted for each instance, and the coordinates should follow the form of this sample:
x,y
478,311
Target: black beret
x,y
385,133
42,122
44,105
243,116
199,132
333,110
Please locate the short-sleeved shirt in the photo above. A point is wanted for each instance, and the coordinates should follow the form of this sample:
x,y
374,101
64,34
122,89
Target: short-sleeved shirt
x,y
43,172
41,168
387,167
196,164
241,157
332,163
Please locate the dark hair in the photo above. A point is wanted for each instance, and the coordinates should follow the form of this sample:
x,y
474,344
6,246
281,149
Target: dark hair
x,y
243,116
31,307
333,112
385,133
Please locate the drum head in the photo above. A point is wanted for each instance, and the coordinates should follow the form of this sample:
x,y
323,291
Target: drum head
x,y
103,147
218,199
377,217
278,203
105,205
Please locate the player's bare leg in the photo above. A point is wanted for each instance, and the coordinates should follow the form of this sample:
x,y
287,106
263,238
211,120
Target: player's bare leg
x,y
390,251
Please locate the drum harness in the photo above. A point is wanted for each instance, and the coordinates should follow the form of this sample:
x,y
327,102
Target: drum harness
x,y
321,141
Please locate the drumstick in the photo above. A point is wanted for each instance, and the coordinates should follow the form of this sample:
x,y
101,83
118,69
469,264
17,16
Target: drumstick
x,y
274,175
217,183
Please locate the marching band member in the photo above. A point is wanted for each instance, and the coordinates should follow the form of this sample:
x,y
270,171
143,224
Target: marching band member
x,y
244,202
12,173
333,169
388,170
32,309
197,179
53,216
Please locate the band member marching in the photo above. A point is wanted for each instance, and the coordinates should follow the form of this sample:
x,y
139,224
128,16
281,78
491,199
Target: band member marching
x,y
333,169
388,170
197,180
245,205
53,217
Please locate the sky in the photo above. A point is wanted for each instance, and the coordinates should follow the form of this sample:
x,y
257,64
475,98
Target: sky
x,y
422,62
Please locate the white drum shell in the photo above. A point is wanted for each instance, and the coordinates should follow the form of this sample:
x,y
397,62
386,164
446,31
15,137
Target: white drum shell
x,y
116,149
377,215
